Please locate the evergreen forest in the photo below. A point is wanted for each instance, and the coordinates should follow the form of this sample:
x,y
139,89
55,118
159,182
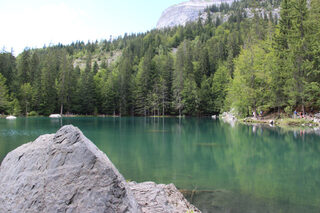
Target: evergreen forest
x,y
251,61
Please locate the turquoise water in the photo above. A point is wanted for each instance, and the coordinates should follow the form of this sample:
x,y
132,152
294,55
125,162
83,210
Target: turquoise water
x,y
229,169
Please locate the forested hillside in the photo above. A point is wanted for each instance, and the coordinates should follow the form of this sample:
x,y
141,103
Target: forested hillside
x,y
247,64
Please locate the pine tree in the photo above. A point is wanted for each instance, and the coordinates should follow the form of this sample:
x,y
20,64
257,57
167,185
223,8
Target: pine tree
x,y
143,84
26,96
190,97
110,93
125,86
3,94
206,106
87,89
8,69
313,75
34,67
220,84
65,82
24,66
48,92
95,67
298,55
178,79
204,66
163,81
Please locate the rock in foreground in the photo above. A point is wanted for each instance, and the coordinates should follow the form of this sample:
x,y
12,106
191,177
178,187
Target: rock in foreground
x,y
65,172
158,198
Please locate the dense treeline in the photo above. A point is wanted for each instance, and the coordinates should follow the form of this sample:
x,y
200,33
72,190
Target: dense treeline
x,y
244,64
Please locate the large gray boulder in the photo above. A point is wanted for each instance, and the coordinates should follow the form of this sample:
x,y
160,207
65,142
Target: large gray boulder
x,y
66,172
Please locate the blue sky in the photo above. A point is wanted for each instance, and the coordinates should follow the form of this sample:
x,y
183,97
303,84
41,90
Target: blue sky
x,y
34,23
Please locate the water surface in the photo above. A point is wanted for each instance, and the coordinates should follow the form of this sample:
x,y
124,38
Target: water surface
x,y
221,168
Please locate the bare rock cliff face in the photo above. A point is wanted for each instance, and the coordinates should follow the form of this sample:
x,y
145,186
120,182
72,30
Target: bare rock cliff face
x,y
66,172
185,12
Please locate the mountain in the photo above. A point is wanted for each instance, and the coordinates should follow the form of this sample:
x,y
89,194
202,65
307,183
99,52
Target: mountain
x,y
184,12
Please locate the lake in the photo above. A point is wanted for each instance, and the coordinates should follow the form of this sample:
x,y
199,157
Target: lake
x,y
220,168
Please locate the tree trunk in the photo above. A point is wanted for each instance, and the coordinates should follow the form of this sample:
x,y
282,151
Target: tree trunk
x,y
255,112
163,109
61,109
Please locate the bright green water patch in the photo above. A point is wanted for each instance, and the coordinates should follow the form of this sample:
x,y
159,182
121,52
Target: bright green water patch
x,y
240,169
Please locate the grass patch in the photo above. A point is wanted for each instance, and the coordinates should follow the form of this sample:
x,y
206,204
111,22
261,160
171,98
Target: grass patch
x,y
250,120
295,122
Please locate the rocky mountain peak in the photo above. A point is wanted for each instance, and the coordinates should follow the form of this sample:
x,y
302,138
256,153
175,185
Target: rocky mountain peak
x,y
184,12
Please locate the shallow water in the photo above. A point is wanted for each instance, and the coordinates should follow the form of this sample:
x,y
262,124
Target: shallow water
x,y
221,168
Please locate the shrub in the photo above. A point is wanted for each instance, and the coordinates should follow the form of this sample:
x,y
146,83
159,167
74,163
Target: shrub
x,y
33,113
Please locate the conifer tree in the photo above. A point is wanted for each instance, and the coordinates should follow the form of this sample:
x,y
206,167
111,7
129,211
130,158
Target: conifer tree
x,y
3,94
26,96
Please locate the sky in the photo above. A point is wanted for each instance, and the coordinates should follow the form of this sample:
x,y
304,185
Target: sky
x,y
35,23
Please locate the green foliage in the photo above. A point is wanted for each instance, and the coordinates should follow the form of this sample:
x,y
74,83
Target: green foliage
x,y
110,92
8,69
24,66
16,110
293,122
14,106
87,91
33,114
221,83
3,94
249,86
205,67
65,82
190,97
26,95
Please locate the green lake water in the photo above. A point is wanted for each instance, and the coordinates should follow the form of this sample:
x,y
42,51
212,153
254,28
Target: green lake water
x,y
221,168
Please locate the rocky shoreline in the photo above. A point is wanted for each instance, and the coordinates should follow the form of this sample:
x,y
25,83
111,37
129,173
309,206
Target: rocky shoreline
x,y
312,122
66,172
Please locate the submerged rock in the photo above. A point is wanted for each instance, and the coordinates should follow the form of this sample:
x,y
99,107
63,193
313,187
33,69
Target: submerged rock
x,y
65,172
228,117
316,120
11,117
55,116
